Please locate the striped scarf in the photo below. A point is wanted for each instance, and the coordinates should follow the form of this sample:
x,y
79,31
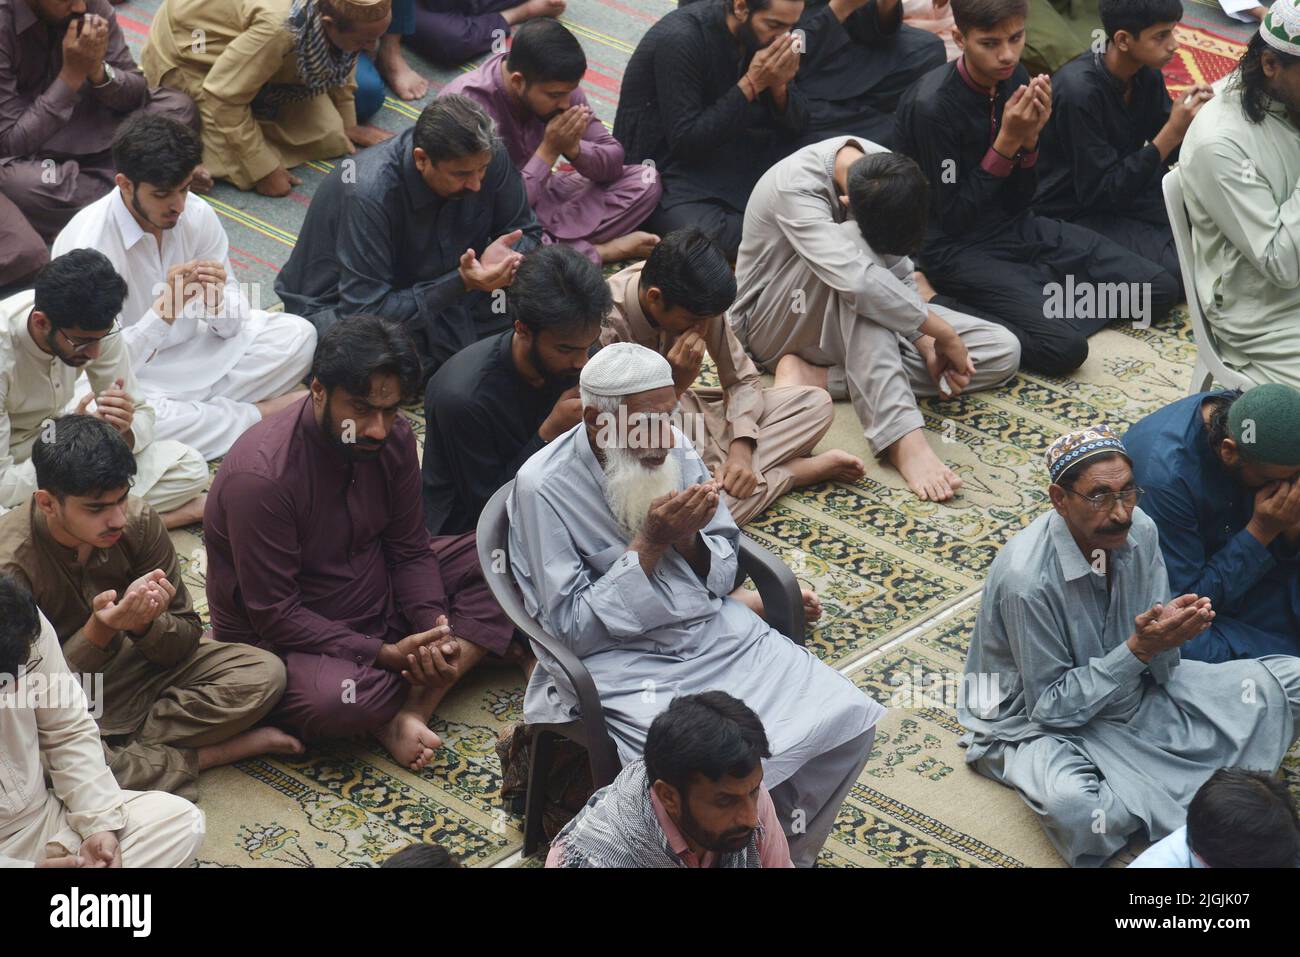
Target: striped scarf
x,y
619,828
321,65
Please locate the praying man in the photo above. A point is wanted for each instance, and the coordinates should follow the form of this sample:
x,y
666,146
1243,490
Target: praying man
x,y
274,80
103,570
317,552
1240,163
49,335
829,300
68,80
83,818
757,442
624,551
209,363
532,94
1222,477
1091,713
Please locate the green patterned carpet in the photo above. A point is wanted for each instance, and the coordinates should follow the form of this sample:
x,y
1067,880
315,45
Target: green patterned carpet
x,y
898,579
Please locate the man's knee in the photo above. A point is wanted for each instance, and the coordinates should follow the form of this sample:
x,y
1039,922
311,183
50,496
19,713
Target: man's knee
x,y
175,104
332,698
1057,354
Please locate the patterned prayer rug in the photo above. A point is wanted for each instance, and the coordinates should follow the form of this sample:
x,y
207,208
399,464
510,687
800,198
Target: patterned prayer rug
x,y
887,567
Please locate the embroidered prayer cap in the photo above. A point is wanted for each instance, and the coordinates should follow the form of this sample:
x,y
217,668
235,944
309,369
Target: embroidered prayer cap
x,y
1281,27
625,368
1074,447
1265,424
361,11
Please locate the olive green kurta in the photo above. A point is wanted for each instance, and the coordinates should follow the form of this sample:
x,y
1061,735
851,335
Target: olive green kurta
x,y
1058,31
222,52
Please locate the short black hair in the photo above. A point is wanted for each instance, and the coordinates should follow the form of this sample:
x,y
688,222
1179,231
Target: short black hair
x,y
80,290
81,455
986,14
690,269
890,201
20,625
557,288
422,855
353,350
154,149
1217,429
1244,818
544,51
453,127
710,733
1134,16
1070,477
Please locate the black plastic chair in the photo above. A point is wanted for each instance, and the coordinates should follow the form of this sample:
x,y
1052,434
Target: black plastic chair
x,y
782,602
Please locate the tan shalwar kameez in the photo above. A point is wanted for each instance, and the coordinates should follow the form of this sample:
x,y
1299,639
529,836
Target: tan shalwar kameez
x,y
222,52
165,694
46,725
784,423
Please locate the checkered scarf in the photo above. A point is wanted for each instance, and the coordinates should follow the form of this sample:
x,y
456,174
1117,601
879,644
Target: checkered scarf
x,y
321,65
619,828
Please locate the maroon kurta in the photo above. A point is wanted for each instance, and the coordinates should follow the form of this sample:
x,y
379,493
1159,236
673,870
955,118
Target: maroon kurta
x,y
322,560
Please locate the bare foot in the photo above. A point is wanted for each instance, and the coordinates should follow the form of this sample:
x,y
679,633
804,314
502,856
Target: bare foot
x,y
531,10
923,286
409,739
792,370
834,465
202,182
269,407
250,744
191,513
812,605
635,245
397,73
925,474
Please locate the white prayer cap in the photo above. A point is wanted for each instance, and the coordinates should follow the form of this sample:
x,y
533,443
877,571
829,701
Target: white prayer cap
x,y
625,368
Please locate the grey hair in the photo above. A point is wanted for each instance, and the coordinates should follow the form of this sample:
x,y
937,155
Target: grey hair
x,y
601,403
453,127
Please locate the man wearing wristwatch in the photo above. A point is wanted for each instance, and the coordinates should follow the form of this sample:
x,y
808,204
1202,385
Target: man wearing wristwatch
x,y
70,81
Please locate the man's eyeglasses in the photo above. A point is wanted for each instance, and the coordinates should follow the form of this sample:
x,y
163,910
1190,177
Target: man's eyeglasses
x,y
79,345
1128,497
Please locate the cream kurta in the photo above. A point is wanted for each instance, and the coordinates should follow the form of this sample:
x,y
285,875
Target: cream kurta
x,y
222,52
783,423
46,720
36,387
1239,180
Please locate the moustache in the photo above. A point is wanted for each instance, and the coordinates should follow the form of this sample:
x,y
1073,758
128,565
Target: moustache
x,y
1114,529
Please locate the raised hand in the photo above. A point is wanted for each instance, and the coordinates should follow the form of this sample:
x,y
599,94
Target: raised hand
x,y
1166,626
686,355
113,405
675,518
565,414
1277,508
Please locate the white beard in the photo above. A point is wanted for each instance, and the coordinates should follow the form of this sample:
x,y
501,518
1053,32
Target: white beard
x,y
630,487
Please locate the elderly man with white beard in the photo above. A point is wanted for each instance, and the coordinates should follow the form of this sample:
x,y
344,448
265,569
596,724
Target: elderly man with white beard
x,y
624,551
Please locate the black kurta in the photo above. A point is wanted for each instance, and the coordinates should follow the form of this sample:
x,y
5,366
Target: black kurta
x,y
680,107
377,240
1098,167
481,420
984,247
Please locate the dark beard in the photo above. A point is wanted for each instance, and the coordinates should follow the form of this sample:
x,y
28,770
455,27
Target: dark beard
x,y
748,39
556,380
728,842
352,451
135,204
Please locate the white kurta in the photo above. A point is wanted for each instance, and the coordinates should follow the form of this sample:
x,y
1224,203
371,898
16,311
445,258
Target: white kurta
x,y
647,639
204,371
36,387
46,720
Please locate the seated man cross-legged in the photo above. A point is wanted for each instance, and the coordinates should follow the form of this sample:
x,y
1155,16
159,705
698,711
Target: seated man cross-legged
x,y
624,551
83,818
1082,701
317,551
102,567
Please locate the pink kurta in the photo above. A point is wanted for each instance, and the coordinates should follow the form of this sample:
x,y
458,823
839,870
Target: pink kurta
x,y
598,200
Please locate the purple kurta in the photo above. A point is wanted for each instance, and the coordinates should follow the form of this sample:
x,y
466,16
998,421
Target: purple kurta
x,y
54,140
599,200
323,560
